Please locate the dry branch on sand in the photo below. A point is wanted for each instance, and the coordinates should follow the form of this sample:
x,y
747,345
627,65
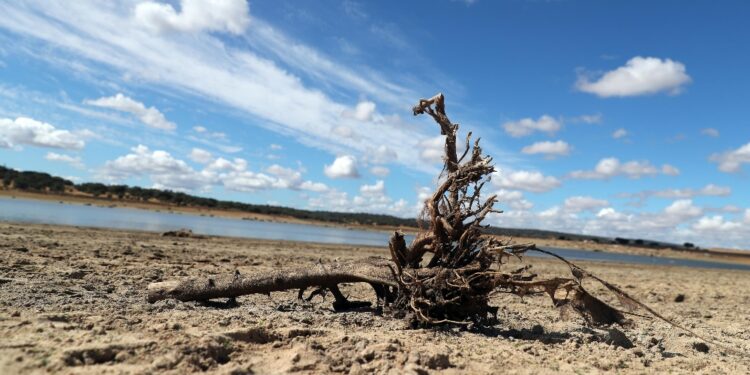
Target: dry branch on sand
x,y
447,274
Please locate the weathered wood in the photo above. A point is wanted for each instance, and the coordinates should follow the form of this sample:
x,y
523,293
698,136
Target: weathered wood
x,y
376,271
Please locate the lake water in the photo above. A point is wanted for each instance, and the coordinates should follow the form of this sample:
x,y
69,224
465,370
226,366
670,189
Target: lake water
x,y
46,212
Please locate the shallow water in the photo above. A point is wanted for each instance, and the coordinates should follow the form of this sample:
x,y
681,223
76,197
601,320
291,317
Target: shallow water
x,y
47,212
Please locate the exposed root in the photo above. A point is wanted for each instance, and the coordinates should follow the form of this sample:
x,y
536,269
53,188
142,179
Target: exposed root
x,y
449,271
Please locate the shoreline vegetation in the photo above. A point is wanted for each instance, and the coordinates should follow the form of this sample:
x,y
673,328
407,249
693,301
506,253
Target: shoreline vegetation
x,y
43,186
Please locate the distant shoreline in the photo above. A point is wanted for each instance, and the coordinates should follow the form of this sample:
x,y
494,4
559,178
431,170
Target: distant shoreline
x,y
714,255
198,211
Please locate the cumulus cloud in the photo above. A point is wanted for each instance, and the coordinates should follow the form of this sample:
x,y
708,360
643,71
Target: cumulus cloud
x,y
200,155
611,167
581,203
513,199
620,133
732,161
376,189
683,209
639,76
710,132
344,166
163,169
363,111
74,161
371,198
715,223
195,15
27,131
527,126
525,180
168,172
150,116
547,148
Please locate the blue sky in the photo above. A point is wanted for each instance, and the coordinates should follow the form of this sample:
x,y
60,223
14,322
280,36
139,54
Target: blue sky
x,y
611,118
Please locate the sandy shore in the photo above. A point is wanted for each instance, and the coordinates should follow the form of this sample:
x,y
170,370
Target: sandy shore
x,y
72,301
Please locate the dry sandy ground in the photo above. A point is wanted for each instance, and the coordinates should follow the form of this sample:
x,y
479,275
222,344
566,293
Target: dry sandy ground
x,y
72,301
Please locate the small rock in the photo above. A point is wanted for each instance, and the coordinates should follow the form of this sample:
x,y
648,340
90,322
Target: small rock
x,y
22,249
77,274
679,298
617,338
438,362
701,347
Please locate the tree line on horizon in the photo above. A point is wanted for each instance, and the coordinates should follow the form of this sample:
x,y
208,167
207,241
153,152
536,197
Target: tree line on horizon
x,y
45,183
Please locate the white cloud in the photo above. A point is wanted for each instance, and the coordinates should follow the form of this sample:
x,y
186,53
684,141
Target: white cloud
x,y
709,190
363,111
681,221
248,76
525,180
200,155
683,209
371,198
527,126
639,76
619,133
547,148
611,167
344,131
376,189
344,166
380,171
287,178
149,116
513,199
167,172
74,161
200,129
710,132
432,149
381,155
611,214
731,161
195,15
581,203
670,170
27,131
163,169
276,147
715,223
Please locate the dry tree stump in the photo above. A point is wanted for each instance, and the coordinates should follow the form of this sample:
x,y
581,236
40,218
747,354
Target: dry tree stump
x,y
447,273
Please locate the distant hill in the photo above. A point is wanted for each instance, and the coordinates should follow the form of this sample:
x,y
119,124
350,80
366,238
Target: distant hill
x,y
45,183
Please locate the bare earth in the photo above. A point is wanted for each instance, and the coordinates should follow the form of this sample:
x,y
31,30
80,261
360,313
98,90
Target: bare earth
x,y
73,301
